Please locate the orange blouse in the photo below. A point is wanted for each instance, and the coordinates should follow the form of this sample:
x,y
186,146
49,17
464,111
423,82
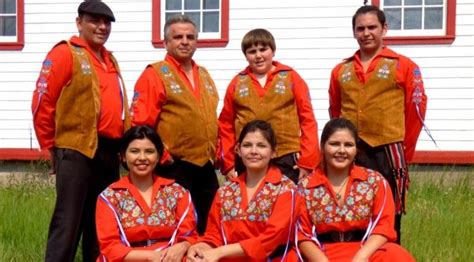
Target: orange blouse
x,y
123,217
261,224
368,205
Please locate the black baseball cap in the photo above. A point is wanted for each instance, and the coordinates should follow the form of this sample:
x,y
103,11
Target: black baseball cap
x,y
97,8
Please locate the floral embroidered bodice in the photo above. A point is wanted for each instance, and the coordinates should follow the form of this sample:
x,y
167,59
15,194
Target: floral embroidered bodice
x,y
259,207
163,207
357,205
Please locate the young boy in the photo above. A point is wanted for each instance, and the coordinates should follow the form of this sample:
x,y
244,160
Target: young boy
x,y
273,92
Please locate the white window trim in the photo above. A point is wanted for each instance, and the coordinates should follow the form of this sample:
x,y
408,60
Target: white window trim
x,y
202,35
10,39
418,32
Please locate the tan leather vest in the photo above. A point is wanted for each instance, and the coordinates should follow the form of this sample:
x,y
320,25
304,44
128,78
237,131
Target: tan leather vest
x,y
377,108
188,126
78,106
277,107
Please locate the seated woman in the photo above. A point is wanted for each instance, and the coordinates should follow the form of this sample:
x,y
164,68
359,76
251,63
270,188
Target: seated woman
x,y
144,217
348,211
252,217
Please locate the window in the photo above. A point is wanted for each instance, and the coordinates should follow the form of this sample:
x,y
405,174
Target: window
x,y
419,21
211,18
11,24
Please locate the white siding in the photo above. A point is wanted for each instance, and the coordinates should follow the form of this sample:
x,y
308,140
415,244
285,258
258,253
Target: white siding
x,y
312,36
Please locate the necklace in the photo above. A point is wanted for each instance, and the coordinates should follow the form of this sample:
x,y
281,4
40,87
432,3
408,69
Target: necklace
x,y
343,185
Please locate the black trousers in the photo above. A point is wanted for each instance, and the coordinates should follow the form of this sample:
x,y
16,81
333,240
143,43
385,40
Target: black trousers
x,y
79,180
376,159
200,181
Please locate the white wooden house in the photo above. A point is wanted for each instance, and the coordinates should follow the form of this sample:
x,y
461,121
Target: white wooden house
x,y
312,36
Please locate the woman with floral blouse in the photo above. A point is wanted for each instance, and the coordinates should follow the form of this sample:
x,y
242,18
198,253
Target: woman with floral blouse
x,y
347,212
252,217
144,217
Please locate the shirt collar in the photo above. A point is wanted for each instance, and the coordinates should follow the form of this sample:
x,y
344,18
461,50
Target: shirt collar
x,y
385,52
273,176
126,183
80,42
175,63
318,177
278,67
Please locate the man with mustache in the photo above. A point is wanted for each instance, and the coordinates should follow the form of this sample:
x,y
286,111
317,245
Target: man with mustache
x,y
179,98
80,111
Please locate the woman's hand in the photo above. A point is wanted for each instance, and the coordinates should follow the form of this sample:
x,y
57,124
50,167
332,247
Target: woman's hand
x,y
175,252
211,255
196,251
144,255
360,258
231,174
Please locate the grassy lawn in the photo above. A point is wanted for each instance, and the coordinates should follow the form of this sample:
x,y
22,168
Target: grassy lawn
x,y
439,225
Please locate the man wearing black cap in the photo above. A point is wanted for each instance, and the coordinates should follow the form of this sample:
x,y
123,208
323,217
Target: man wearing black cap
x,y
80,111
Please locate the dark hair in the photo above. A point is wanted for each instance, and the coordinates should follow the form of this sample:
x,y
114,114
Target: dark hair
x,y
259,125
369,9
258,36
179,18
336,124
140,132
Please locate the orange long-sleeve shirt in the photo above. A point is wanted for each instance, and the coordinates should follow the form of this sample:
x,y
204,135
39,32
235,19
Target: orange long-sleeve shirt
x,y
146,109
408,77
142,222
56,73
260,224
309,143
366,199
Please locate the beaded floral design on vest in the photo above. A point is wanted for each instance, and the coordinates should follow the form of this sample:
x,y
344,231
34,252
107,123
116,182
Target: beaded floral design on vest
x,y
177,89
243,86
323,208
384,70
163,209
85,65
280,87
259,208
347,73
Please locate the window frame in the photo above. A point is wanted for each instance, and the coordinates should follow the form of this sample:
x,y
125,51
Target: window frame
x,y
447,38
157,27
20,33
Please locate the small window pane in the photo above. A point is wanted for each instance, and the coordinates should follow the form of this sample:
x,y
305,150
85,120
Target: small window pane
x,y
211,22
394,18
192,4
434,18
433,2
171,14
7,6
173,5
7,26
392,2
413,2
196,18
211,4
412,18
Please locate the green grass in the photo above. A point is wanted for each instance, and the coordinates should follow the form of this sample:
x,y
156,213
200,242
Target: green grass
x,y
439,225
25,210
